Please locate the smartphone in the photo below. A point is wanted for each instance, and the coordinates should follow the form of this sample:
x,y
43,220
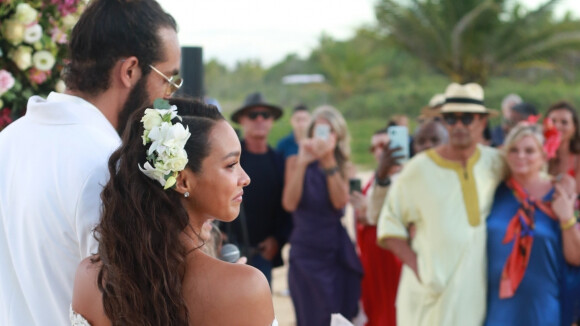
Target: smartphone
x,y
354,185
322,131
399,136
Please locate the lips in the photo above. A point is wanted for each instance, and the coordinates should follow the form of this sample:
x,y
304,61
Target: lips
x,y
239,197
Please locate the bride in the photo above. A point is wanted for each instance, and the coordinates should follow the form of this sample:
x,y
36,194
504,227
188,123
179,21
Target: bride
x,y
170,177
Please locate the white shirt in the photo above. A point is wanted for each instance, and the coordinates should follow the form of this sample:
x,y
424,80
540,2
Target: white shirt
x,y
53,164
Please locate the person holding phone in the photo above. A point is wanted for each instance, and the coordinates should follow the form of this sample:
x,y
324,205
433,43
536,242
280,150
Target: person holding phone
x,y
446,192
324,273
382,268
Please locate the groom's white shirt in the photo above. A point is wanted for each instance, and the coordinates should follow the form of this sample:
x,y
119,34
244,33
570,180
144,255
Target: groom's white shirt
x,y
52,169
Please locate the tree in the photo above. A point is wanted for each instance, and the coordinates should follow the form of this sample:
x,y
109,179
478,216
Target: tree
x,y
471,40
351,66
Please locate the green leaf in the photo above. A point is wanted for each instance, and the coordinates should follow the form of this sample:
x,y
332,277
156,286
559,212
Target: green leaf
x,y
161,104
170,182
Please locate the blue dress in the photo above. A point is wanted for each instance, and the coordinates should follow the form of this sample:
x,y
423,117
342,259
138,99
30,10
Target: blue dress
x,y
325,273
537,300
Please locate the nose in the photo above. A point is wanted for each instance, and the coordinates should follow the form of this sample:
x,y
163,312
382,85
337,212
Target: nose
x,y
244,180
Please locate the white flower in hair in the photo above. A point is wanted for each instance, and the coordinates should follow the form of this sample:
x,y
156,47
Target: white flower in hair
x,y
166,155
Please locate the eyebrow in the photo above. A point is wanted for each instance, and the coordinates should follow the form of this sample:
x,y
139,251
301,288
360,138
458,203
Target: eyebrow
x,y
231,154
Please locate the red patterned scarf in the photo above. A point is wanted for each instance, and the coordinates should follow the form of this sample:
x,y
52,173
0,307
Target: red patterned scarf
x,y
520,230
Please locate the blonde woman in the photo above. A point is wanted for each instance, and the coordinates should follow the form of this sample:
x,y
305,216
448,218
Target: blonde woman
x,y
533,239
325,272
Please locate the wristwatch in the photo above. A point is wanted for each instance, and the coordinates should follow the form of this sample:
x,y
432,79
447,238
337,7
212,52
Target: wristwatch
x,y
330,171
385,182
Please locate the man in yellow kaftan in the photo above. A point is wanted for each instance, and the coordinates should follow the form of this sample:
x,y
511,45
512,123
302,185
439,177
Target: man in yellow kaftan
x,y
446,194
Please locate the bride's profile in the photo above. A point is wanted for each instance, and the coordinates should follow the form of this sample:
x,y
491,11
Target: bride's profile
x,y
170,177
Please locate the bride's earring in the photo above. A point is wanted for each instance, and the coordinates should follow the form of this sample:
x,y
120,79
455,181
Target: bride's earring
x,y
186,194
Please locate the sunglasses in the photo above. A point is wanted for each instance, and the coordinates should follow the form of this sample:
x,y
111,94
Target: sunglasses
x,y
254,115
173,83
466,119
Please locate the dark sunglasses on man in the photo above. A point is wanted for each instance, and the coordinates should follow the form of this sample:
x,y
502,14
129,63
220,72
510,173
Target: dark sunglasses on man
x,y
465,118
255,114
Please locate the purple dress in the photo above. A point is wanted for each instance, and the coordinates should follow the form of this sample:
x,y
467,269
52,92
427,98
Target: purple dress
x,y
325,273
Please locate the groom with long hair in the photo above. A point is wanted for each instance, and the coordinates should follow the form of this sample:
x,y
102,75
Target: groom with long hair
x,y
123,54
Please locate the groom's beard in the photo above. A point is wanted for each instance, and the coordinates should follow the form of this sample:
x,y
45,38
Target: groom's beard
x,y
138,98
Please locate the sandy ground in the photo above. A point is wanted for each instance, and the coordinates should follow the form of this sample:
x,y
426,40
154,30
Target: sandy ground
x,y
282,302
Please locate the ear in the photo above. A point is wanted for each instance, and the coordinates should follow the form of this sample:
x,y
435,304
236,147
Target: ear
x,y
186,181
130,72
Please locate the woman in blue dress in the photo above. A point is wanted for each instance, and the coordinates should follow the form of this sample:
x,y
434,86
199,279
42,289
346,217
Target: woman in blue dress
x,y
533,239
324,272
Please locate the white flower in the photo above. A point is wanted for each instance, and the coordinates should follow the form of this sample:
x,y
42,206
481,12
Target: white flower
x,y
13,31
151,119
177,136
25,13
22,57
166,154
176,162
60,86
172,111
157,135
32,34
43,60
69,21
153,173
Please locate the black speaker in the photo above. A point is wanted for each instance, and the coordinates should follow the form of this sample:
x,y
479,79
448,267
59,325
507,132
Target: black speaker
x,y
191,71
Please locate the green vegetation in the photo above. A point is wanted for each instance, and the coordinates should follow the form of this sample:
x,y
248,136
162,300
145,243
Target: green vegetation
x,y
386,69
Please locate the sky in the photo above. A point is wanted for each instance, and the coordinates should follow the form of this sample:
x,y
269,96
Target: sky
x,y
268,30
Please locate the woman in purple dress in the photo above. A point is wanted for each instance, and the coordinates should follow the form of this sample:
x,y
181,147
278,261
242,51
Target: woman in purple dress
x,y
325,272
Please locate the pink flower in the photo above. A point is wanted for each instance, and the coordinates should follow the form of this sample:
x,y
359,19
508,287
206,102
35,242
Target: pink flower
x,y
5,118
6,81
38,76
66,7
58,36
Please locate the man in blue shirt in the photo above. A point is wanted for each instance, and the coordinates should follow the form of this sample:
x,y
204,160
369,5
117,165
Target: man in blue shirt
x,y
288,145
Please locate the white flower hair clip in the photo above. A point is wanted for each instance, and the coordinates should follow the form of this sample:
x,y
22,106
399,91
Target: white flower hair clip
x,y
166,155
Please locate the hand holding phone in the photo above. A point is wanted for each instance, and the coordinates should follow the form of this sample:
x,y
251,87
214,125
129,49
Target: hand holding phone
x,y
322,131
354,185
399,137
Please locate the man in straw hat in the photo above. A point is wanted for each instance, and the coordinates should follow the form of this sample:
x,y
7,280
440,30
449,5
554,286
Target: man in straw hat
x,y
446,193
433,110
263,226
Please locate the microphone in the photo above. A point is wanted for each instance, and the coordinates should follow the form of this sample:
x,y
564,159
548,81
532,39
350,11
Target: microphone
x,y
230,253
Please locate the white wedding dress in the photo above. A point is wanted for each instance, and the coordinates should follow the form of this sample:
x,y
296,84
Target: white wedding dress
x,y
78,320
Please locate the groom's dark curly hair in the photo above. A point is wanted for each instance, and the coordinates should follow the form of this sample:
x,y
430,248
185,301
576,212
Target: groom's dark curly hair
x,y
141,256
108,31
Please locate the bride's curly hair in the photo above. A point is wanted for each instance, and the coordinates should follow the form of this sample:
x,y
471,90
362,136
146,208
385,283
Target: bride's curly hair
x,y
141,256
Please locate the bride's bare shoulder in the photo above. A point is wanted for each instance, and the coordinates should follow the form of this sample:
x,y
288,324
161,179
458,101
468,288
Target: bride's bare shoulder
x,y
86,298
235,294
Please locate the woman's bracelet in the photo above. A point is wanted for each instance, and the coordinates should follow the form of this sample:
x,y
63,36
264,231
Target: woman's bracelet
x,y
331,170
568,224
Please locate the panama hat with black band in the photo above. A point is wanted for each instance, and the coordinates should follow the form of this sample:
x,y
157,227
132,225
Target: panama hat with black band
x,y
466,98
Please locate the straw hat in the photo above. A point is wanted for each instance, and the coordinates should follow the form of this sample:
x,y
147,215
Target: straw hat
x,y
465,98
434,108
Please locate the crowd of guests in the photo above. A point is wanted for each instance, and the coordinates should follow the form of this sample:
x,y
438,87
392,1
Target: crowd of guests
x,y
109,194
453,227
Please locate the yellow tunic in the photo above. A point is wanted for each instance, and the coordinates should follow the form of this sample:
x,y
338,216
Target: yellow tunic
x,y
448,204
